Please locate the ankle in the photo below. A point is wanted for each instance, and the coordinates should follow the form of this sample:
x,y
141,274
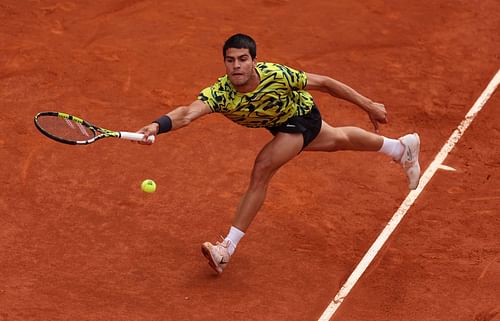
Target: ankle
x,y
393,148
233,238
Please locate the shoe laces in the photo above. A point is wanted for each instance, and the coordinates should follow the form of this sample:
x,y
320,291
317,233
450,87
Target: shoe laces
x,y
223,249
224,243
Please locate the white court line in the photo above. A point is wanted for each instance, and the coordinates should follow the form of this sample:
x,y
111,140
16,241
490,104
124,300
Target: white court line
x,y
410,199
447,168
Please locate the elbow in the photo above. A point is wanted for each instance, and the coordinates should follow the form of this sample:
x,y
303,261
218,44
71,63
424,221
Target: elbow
x,y
318,82
325,84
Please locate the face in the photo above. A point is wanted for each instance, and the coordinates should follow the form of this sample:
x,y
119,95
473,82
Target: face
x,y
239,66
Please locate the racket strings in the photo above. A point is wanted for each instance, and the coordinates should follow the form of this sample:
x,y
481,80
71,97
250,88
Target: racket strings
x,y
65,128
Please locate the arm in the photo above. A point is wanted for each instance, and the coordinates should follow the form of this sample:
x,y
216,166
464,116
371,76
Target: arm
x,y
375,111
180,116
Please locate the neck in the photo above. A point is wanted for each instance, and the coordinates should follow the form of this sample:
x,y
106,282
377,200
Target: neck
x,y
251,84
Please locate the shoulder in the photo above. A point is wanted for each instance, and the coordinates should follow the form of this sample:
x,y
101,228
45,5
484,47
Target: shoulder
x,y
278,69
221,85
218,94
274,72
269,71
270,67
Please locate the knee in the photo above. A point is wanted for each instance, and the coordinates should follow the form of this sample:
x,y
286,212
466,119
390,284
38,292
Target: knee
x,y
262,173
339,140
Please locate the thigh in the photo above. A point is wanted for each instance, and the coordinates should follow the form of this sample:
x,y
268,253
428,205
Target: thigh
x,y
282,148
326,139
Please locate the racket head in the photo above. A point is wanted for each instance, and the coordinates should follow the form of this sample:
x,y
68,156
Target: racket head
x,y
69,129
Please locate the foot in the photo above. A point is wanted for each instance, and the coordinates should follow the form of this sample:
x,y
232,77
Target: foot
x,y
409,160
217,255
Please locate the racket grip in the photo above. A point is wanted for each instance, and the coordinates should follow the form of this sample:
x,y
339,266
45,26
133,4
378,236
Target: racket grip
x,y
136,136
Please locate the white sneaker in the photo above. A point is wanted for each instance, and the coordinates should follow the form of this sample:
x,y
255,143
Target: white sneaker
x,y
409,160
217,255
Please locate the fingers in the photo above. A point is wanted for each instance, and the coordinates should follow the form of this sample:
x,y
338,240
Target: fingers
x,y
383,113
381,106
378,115
149,133
375,124
148,139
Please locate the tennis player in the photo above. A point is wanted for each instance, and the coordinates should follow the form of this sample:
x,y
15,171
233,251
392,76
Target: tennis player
x,y
276,97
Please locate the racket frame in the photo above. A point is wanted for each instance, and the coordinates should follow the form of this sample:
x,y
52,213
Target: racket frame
x,y
99,132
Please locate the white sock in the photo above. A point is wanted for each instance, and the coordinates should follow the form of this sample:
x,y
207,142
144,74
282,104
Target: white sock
x,y
393,148
234,237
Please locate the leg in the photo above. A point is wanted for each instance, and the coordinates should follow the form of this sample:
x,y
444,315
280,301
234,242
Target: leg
x,y
282,148
405,151
332,139
275,154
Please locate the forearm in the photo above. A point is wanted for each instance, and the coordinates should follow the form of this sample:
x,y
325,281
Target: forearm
x,y
181,117
376,111
177,118
343,91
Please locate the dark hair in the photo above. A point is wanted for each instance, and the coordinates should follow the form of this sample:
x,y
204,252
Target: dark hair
x,y
240,41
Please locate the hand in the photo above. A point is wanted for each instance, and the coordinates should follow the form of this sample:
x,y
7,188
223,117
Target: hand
x,y
148,130
377,114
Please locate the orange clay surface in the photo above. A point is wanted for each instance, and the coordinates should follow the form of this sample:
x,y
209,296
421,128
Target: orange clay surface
x,y
79,240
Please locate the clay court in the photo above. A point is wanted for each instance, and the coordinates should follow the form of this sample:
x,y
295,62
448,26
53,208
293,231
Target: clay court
x,y
79,240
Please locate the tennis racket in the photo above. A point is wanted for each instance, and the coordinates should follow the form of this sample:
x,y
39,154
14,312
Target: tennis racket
x,y
72,130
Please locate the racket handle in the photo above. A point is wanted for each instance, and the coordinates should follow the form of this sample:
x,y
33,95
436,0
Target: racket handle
x,y
135,136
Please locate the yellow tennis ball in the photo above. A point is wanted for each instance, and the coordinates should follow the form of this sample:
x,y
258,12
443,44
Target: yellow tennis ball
x,y
148,186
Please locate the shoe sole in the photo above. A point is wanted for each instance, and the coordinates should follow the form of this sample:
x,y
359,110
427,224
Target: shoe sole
x,y
417,137
418,163
211,262
418,180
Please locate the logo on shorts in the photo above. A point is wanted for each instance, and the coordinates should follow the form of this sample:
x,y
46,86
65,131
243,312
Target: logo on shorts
x,y
290,125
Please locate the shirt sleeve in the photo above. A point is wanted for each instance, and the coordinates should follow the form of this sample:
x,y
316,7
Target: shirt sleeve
x,y
296,79
207,96
215,96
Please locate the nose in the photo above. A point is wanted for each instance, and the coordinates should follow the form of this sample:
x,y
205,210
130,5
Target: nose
x,y
236,64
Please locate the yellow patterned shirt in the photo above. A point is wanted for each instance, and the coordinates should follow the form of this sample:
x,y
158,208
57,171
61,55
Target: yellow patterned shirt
x,y
279,96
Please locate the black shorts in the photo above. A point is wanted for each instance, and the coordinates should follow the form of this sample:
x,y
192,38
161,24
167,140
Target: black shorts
x,y
308,125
